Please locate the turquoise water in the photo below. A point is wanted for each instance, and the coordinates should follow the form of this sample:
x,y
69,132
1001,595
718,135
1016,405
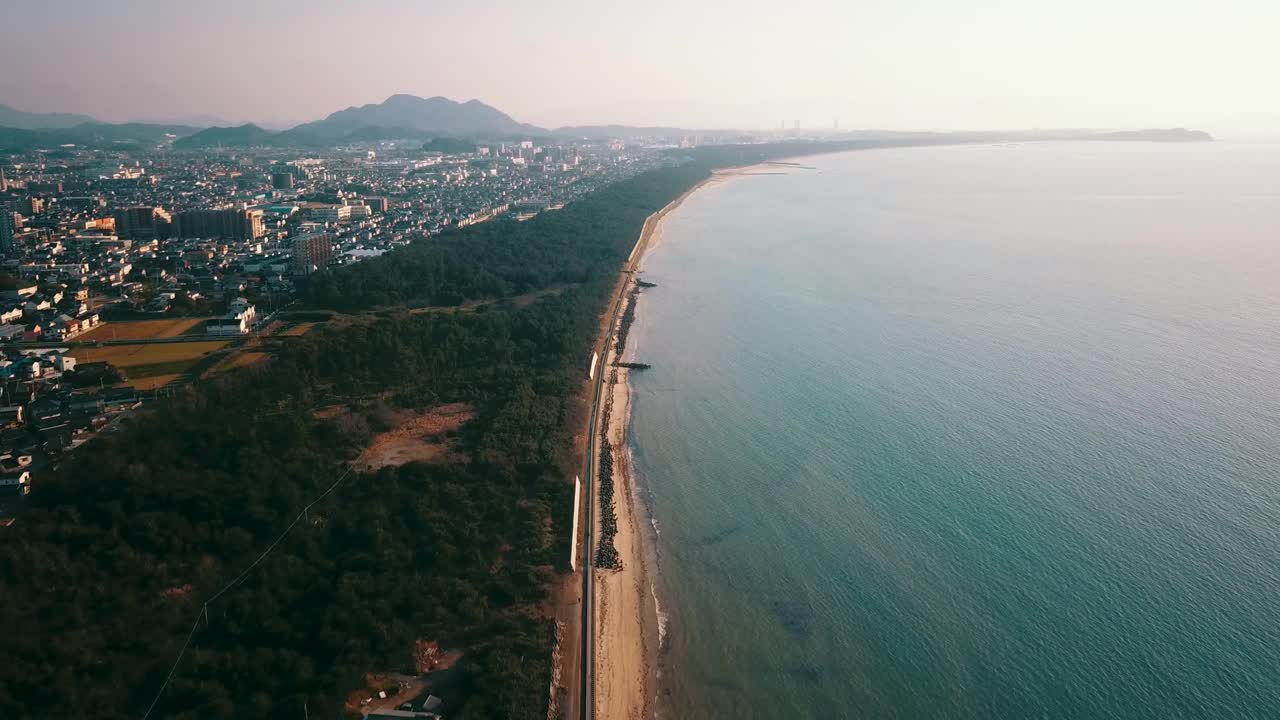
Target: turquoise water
x,y
975,432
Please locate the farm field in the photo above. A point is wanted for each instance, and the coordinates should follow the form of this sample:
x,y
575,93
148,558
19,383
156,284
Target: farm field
x,y
240,359
150,366
126,356
299,329
143,329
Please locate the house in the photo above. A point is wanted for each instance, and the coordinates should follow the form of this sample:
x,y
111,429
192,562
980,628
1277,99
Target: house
x,y
11,333
9,462
59,361
14,476
125,395
92,373
63,327
25,368
11,415
18,481
36,305
44,411
20,291
82,403
240,318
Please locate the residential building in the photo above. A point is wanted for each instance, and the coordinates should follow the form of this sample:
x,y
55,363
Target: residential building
x,y
227,223
311,252
7,228
329,213
142,222
240,318
282,180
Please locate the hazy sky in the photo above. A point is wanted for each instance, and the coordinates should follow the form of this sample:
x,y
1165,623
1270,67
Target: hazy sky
x,y
745,63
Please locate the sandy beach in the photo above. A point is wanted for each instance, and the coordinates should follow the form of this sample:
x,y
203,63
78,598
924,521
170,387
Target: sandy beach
x,y
626,618
626,621
626,637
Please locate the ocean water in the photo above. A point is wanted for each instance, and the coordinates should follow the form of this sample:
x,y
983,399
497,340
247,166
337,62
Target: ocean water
x,y
971,432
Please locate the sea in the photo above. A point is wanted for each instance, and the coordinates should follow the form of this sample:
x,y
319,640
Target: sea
x,y
986,431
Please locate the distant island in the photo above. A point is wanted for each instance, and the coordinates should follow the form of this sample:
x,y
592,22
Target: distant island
x,y
1157,135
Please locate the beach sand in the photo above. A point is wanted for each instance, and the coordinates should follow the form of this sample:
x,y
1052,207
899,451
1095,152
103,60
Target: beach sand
x,y
626,617
626,634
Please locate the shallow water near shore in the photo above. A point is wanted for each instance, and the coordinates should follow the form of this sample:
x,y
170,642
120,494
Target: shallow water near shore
x,y
969,432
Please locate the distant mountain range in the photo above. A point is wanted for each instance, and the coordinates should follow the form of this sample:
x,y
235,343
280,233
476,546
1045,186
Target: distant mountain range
x,y
14,118
90,135
399,117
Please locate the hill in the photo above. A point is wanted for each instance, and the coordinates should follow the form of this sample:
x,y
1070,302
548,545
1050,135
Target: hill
x,y
303,136
247,135
11,117
97,135
435,115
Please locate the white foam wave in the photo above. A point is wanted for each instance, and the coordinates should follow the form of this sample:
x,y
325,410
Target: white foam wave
x,y
662,617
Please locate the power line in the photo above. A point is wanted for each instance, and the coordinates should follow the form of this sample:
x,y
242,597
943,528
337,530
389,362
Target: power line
x,y
204,609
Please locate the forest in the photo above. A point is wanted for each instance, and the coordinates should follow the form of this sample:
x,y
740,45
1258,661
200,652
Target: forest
x,y
105,577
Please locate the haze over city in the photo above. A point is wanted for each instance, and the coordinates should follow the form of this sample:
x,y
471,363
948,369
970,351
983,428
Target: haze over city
x,y
929,64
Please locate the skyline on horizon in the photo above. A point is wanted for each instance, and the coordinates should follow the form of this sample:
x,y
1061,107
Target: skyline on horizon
x,y
924,65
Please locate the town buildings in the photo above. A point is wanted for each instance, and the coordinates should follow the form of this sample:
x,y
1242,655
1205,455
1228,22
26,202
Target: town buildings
x,y
311,252
225,223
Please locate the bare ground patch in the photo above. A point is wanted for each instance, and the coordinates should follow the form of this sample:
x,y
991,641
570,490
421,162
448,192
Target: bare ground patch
x,y
417,437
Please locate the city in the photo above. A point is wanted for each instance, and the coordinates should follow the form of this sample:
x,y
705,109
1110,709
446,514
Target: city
x,y
191,254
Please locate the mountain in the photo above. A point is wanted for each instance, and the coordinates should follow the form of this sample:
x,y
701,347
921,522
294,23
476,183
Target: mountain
x,y
98,135
436,115
14,118
303,136
247,135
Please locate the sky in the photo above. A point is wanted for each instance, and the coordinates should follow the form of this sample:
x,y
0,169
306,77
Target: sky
x,y
900,64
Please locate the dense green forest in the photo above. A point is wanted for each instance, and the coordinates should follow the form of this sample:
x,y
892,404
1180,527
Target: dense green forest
x,y
104,575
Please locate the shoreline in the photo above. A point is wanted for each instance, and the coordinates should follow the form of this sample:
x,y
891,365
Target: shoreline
x,y
629,625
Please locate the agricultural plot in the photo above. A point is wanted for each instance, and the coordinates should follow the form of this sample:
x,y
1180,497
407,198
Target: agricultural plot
x,y
144,329
150,366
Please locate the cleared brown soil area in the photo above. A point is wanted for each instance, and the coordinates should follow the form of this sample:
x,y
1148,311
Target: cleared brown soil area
x,y
417,437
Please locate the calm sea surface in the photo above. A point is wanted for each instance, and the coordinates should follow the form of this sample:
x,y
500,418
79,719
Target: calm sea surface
x,y
974,432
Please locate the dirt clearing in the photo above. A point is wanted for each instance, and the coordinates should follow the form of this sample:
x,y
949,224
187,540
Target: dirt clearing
x,y
417,437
